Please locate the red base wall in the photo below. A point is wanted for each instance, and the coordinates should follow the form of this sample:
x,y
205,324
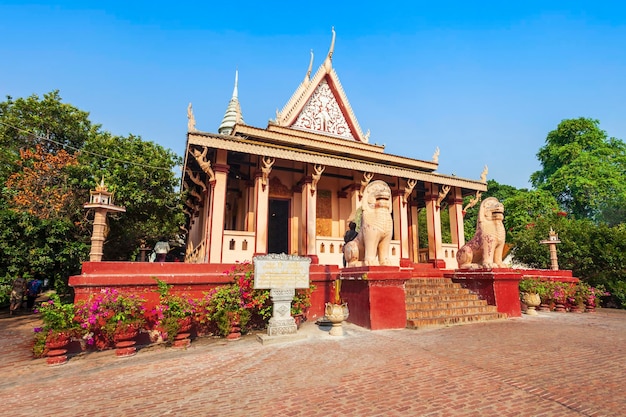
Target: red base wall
x,y
375,296
500,286
192,280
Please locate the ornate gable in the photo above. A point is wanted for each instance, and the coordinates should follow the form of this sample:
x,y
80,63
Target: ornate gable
x,y
320,105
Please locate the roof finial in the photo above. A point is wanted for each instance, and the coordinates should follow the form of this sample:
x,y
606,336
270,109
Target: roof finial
x,y
233,111
307,77
235,92
328,63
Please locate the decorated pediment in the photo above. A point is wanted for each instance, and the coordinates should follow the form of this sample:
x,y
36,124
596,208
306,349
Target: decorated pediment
x,y
319,104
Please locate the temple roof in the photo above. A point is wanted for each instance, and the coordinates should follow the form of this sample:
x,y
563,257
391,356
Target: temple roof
x,y
320,105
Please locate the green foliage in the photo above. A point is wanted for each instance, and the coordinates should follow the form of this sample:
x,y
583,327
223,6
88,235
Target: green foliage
x,y
108,312
583,169
57,315
302,300
534,286
55,247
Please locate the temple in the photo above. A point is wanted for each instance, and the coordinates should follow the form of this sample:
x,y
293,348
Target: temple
x,y
293,186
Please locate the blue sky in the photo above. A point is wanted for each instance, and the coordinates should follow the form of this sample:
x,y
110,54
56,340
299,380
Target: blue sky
x,y
484,82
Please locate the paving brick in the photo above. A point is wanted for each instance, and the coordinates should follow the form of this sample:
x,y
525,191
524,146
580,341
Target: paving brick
x,y
547,365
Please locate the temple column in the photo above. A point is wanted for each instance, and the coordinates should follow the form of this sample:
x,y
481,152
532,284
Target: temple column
x,y
414,243
218,206
433,222
262,203
455,209
309,219
401,225
250,206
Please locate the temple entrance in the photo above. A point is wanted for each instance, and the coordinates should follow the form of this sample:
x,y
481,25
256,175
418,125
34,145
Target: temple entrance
x,y
278,227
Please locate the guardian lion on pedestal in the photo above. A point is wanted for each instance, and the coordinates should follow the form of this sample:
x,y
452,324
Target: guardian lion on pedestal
x,y
485,249
371,246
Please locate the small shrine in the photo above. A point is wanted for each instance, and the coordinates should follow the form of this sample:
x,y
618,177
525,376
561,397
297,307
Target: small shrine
x,y
101,201
553,240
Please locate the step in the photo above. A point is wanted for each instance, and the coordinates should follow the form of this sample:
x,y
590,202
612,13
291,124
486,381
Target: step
x,y
450,321
433,298
434,305
435,291
449,312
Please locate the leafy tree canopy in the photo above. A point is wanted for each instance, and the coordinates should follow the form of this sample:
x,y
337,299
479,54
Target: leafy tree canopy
x,y
584,170
51,157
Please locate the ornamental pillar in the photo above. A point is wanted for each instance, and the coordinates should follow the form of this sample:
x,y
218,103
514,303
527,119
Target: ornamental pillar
x,y
218,205
455,209
433,222
309,219
262,203
401,224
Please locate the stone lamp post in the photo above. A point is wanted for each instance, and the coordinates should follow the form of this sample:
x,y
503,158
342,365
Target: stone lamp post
x,y
552,241
101,200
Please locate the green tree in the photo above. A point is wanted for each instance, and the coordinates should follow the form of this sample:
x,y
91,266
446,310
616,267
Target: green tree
x,y
52,147
583,169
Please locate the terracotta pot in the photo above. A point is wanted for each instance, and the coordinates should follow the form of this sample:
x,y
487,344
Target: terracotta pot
x,y
125,343
55,345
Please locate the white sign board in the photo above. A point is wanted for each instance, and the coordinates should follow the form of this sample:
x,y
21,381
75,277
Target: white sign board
x,y
281,271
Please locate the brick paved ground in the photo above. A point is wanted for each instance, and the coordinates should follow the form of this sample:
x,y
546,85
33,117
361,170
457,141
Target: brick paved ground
x,y
556,364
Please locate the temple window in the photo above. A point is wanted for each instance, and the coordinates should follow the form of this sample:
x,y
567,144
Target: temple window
x,y
244,245
231,245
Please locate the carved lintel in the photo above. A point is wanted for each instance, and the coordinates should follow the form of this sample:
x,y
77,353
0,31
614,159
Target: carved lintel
x,y
442,194
205,164
367,177
408,189
266,168
319,169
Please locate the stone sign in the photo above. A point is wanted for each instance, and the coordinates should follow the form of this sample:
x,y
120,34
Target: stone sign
x,y
282,274
281,271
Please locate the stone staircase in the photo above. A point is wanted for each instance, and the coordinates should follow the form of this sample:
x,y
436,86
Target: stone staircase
x,y
441,302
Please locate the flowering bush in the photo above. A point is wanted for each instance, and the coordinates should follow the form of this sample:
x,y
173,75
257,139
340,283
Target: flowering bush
x,y
594,295
57,321
108,312
171,311
534,286
302,300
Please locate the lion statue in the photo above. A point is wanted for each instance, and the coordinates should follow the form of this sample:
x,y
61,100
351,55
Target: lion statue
x,y
371,246
484,250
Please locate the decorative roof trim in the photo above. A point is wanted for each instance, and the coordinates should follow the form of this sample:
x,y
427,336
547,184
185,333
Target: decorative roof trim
x,y
319,142
274,151
288,115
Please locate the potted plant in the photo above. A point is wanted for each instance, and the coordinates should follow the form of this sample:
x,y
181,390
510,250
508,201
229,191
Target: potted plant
x,y
301,303
228,311
531,289
336,311
110,316
58,326
594,297
174,315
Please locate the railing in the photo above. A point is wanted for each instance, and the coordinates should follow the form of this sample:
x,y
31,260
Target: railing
x,y
330,251
237,246
449,255
449,251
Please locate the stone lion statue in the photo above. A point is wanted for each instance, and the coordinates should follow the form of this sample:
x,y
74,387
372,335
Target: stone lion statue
x,y
484,250
371,246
